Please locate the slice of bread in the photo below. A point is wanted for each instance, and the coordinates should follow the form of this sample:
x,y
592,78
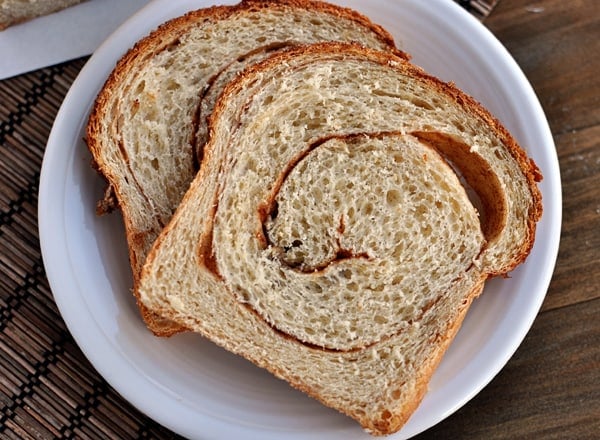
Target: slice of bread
x,y
329,236
141,131
17,11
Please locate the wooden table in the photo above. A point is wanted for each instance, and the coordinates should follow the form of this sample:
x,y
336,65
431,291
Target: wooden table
x,y
549,389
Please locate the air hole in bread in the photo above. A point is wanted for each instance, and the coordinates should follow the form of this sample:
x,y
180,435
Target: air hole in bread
x,y
386,415
458,125
392,197
422,104
173,85
380,319
173,45
140,87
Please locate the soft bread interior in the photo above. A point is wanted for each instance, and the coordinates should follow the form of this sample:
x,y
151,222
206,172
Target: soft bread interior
x,y
350,256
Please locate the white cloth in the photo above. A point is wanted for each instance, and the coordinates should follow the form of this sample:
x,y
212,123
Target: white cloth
x,y
64,35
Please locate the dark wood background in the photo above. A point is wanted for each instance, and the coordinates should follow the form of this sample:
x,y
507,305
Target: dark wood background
x,y
551,386
550,389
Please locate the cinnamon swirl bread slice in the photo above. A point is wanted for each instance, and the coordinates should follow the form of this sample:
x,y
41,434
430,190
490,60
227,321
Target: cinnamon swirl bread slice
x,y
141,131
328,236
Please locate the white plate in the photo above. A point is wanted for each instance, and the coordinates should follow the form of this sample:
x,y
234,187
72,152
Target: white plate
x,y
201,391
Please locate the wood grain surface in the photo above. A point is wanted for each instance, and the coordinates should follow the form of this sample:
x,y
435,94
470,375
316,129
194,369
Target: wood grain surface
x,y
550,389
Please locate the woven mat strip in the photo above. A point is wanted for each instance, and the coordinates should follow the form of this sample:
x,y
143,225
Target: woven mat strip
x,y
479,8
47,387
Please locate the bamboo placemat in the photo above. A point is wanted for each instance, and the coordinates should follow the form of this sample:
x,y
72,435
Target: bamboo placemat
x,y
479,8
48,389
